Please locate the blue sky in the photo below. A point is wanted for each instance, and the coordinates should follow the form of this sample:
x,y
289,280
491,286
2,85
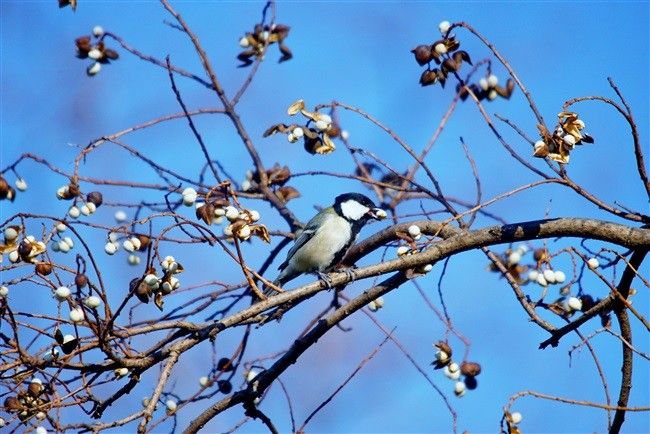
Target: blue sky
x,y
357,53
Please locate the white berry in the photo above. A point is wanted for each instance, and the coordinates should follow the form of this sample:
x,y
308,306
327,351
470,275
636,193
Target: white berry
x,y
593,263
492,80
414,231
514,258
94,69
402,250
74,212
444,27
21,184
62,293
483,83
98,31
232,213
204,381
4,291
440,48
76,314
120,216
560,277
516,417
11,234
243,42
93,302
110,248
459,388
189,196
133,259
171,405
549,276
574,303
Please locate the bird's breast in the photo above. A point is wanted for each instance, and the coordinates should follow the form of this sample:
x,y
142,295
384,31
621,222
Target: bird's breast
x,y
319,252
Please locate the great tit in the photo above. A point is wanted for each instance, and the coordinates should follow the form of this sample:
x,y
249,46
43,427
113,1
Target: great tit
x,y
327,237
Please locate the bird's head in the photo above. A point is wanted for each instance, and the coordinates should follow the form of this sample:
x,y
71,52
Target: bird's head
x,y
357,208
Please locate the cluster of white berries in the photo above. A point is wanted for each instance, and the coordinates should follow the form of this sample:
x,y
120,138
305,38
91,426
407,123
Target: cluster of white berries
x,y
240,223
489,84
27,250
415,232
451,369
547,277
376,304
130,245
64,245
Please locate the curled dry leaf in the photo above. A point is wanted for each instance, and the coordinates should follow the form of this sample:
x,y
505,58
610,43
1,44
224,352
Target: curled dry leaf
x,y
287,193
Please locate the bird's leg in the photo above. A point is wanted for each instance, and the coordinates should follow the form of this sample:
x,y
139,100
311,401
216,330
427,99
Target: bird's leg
x,y
351,273
325,278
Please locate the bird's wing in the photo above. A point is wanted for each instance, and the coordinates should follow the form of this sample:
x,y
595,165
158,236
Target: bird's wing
x,y
306,234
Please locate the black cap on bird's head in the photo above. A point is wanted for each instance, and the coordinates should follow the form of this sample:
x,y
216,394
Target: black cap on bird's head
x,y
356,207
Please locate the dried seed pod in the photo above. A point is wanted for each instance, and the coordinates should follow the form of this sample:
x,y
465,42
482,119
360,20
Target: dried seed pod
x,y
428,77
422,54
12,404
287,193
470,369
24,249
205,213
80,280
43,268
95,197
444,346
225,386
224,365
35,389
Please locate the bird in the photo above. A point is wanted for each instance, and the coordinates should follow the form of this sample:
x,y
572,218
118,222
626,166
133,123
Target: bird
x,y
326,238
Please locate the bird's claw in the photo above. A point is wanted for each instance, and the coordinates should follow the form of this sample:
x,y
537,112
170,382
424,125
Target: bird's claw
x,y
326,279
351,273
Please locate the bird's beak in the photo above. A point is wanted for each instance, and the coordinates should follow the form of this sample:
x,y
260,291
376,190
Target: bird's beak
x,y
377,213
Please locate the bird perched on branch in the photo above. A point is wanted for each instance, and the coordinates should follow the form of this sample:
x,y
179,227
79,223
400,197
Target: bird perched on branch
x,y
326,238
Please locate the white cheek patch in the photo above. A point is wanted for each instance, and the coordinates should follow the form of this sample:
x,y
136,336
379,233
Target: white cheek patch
x,y
353,210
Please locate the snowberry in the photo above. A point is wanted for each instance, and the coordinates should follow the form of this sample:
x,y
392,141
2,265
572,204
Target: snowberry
x,y
136,243
402,250
231,213
492,80
459,388
98,31
74,212
243,42
14,256
322,125
76,314
151,279
121,372
85,210
94,69
62,191
53,353
440,48
10,234
133,259
219,212
549,276
298,132
452,371
574,303
170,285
94,54
516,417
189,196
483,83
93,302
522,249
540,144
254,215
246,185
291,138
414,231
171,405
541,280
593,263
128,245
68,241
110,248
41,430
227,231
560,276
204,381
62,293
444,27
426,268
61,227
63,246
569,140
41,415
373,306
514,258
251,374
379,301
244,232
492,95
345,135
169,264
442,356
120,216
4,291
21,184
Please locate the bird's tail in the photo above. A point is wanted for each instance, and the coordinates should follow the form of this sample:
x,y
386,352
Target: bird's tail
x,y
285,276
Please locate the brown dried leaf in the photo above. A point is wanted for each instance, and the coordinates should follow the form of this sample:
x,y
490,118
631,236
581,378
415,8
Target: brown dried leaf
x,y
287,193
296,107
262,232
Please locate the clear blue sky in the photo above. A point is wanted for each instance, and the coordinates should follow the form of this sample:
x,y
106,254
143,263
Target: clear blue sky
x,y
357,53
